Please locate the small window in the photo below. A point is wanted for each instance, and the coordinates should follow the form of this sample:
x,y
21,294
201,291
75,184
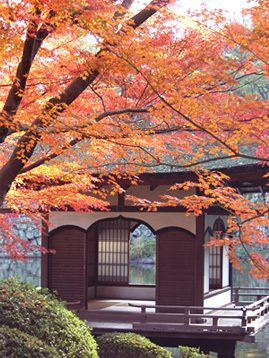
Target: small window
x,y
215,257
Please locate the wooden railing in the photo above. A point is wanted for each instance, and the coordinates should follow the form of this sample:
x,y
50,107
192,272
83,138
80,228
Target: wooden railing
x,y
240,321
234,320
223,319
255,293
257,313
248,318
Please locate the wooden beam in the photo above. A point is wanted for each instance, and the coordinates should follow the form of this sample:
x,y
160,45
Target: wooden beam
x,y
121,201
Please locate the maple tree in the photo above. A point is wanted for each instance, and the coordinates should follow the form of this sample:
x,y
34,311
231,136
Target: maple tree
x,y
93,87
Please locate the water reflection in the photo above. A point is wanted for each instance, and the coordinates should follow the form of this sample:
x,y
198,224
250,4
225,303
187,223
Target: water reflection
x,y
142,274
259,349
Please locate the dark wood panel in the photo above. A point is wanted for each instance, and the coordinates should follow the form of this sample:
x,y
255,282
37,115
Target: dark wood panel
x,y
176,268
66,271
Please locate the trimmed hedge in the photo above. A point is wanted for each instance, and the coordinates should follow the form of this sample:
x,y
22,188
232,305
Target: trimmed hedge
x,y
15,343
129,345
39,314
34,323
191,352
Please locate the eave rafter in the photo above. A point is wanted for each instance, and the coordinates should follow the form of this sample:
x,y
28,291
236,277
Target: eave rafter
x,y
248,178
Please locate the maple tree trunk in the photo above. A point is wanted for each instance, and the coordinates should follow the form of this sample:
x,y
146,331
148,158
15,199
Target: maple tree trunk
x,y
7,175
9,172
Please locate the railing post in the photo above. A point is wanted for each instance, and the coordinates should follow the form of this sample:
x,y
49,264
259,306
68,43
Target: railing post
x,y
262,306
244,316
215,321
143,317
236,294
187,314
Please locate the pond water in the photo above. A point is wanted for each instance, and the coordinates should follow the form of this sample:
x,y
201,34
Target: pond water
x,y
144,274
259,349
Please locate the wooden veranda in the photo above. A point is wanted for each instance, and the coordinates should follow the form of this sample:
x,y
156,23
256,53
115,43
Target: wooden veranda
x,y
211,328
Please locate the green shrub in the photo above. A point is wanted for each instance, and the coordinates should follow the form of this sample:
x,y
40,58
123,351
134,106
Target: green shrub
x,y
15,343
40,315
191,352
143,248
129,345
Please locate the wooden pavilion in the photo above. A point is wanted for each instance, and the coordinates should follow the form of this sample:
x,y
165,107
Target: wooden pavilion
x,y
92,249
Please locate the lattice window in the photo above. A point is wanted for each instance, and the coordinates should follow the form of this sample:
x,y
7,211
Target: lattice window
x,y
215,257
113,251
215,265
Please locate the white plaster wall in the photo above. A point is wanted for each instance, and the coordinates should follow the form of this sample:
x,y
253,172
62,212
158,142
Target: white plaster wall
x,y
221,299
206,269
156,220
226,267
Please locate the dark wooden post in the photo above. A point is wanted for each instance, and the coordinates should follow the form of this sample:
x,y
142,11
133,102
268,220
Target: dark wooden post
x,y
44,257
227,350
224,348
244,316
236,294
199,260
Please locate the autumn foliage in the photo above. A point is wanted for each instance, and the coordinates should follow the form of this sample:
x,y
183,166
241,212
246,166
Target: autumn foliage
x,y
104,90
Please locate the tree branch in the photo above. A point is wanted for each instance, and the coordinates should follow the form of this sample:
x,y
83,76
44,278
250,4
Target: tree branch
x,y
123,8
77,140
55,106
34,39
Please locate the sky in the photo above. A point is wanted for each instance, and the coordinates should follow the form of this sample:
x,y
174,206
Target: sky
x,y
232,6
229,5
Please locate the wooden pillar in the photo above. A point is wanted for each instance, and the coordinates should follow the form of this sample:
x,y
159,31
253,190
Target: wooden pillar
x,y
45,244
227,349
200,225
224,348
